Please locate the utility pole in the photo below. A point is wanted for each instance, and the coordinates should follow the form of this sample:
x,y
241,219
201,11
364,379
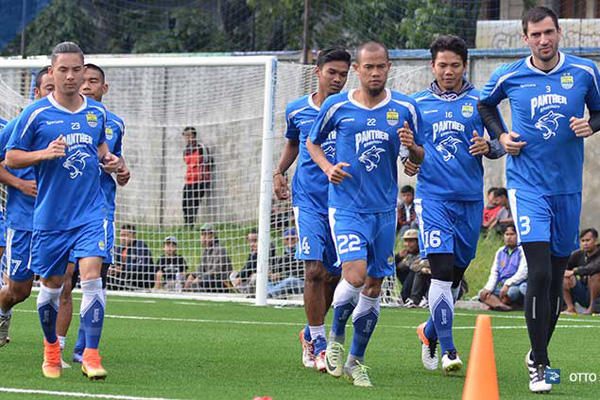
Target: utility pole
x,y
306,33
23,20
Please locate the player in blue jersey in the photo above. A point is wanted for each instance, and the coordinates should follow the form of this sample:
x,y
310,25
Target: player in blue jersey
x,y
95,87
21,191
449,198
309,193
63,137
548,93
3,123
362,197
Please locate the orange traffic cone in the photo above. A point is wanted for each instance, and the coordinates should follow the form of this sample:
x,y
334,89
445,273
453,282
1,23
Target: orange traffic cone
x,y
482,381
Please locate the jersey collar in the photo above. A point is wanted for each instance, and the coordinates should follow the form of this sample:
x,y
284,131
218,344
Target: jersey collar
x,y
561,61
56,105
311,102
388,97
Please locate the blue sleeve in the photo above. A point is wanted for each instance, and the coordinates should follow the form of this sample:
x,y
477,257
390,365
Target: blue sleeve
x,y
494,91
324,124
119,143
102,137
592,98
292,131
5,134
24,132
418,128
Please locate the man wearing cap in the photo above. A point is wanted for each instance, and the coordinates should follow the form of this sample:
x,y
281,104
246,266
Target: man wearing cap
x,y
405,259
215,266
170,267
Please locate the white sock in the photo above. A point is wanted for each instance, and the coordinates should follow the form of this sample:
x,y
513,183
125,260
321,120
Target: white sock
x,y
365,305
90,290
61,340
49,295
346,293
316,331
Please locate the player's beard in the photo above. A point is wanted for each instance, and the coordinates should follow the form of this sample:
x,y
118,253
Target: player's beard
x,y
376,91
550,56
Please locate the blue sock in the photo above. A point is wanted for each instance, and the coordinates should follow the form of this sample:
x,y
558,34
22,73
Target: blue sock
x,y
47,306
307,336
92,311
345,299
441,305
364,320
80,345
429,331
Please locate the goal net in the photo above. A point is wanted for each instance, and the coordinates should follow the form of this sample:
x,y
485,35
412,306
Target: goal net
x,y
214,210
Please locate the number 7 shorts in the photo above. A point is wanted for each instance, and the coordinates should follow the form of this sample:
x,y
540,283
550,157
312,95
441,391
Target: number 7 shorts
x,y
314,239
541,218
449,227
365,236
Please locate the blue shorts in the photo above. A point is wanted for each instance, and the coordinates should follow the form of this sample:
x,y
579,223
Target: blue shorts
x,y
449,227
553,219
50,249
315,242
17,255
365,236
2,232
110,243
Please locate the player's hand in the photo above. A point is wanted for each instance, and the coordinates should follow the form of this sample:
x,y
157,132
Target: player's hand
x,y
111,163
407,137
29,188
281,187
411,168
503,292
581,127
56,149
480,146
426,271
123,175
510,143
484,294
336,174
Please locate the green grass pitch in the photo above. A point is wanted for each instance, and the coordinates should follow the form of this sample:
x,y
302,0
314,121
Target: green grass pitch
x,y
186,349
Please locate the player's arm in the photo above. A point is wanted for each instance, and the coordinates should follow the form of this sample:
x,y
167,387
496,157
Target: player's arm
x,y
123,173
583,127
111,163
18,158
288,156
28,188
416,153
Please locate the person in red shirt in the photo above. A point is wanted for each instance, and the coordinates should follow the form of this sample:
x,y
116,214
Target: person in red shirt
x,y
197,175
491,209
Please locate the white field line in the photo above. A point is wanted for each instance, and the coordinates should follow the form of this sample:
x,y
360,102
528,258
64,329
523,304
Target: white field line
x,y
81,395
282,323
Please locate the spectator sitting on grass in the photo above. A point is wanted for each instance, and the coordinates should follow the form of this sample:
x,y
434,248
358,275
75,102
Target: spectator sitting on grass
x,y
133,266
245,279
170,267
490,210
407,217
405,258
504,216
581,283
214,269
507,284
287,275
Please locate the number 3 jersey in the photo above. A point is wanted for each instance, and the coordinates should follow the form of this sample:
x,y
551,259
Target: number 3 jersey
x,y
69,193
449,171
368,140
542,103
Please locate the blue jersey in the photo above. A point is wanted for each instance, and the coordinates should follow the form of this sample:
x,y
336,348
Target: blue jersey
x,y
69,193
19,206
449,171
368,140
2,123
310,184
541,104
115,129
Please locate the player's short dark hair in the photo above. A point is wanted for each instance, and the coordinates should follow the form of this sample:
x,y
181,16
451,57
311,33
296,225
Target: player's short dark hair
x,y
536,14
191,129
333,54
65,48
407,189
451,43
96,68
40,74
128,227
492,190
501,192
514,228
371,46
593,231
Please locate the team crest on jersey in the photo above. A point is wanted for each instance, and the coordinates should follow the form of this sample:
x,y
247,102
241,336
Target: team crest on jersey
x,y
109,133
448,147
371,157
392,117
566,81
467,110
75,163
548,124
91,119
